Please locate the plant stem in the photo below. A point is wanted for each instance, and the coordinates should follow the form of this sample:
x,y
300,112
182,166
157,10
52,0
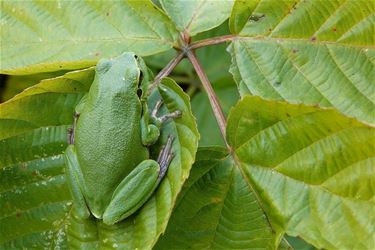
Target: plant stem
x,y
212,41
218,112
166,71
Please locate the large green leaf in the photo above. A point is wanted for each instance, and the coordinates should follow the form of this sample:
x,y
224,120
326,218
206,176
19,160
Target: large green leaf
x,y
313,170
195,16
16,84
217,209
313,52
40,36
35,201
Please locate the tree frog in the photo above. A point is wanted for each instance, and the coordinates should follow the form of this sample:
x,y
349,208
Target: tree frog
x,y
109,171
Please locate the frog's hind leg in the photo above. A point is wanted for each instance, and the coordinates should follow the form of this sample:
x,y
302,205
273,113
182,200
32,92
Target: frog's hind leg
x,y
165,157
138,186
75,183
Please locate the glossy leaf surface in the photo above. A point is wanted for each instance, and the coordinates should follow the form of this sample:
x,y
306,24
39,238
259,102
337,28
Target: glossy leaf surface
x,y
195,16
313,52
35,201
47,36
217,209
313,170
33,191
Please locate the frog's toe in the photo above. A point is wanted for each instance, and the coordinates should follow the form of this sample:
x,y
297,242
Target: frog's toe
x,y
165,117
172,115
165,156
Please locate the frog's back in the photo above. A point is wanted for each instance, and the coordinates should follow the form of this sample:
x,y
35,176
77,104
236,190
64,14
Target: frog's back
x,y
108,136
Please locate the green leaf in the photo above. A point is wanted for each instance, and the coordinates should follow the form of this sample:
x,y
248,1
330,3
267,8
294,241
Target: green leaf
x,y
313,52
195,16
217,209
34,200
33,135
297,243
16,84
312,169
241,13
41,36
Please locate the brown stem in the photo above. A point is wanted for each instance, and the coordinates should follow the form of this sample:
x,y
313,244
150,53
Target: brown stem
x,y
218,112
166,71
212,41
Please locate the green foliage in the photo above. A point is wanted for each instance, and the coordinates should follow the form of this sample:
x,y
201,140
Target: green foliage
x,y
49,39
195,16
299,168
313,169
301,54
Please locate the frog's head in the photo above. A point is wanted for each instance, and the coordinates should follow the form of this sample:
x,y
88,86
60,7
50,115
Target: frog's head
x,y
122,69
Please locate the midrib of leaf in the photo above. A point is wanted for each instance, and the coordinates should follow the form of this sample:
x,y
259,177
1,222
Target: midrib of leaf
x,y
195,14
276,167
352,85
343,169
356,24
211,246
281,40
314,142
75,40
346,76
252,190
257,174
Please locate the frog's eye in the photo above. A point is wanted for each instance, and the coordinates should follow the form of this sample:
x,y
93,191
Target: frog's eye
x,y
103,66
139,93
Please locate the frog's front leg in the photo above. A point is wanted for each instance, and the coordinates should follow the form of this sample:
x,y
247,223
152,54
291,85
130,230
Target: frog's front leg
x,y
150,123
75,183
138,186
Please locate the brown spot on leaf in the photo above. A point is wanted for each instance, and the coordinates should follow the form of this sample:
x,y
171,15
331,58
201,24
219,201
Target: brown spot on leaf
x,y
97,54
107,14
313,39
18,214
294,50
334,29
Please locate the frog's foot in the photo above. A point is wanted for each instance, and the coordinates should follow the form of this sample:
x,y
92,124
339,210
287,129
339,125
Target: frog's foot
x,y
165,157
165,117
71,130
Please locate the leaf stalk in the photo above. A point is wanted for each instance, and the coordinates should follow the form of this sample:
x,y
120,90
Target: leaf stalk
x,y
166,71
212,41
218,112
